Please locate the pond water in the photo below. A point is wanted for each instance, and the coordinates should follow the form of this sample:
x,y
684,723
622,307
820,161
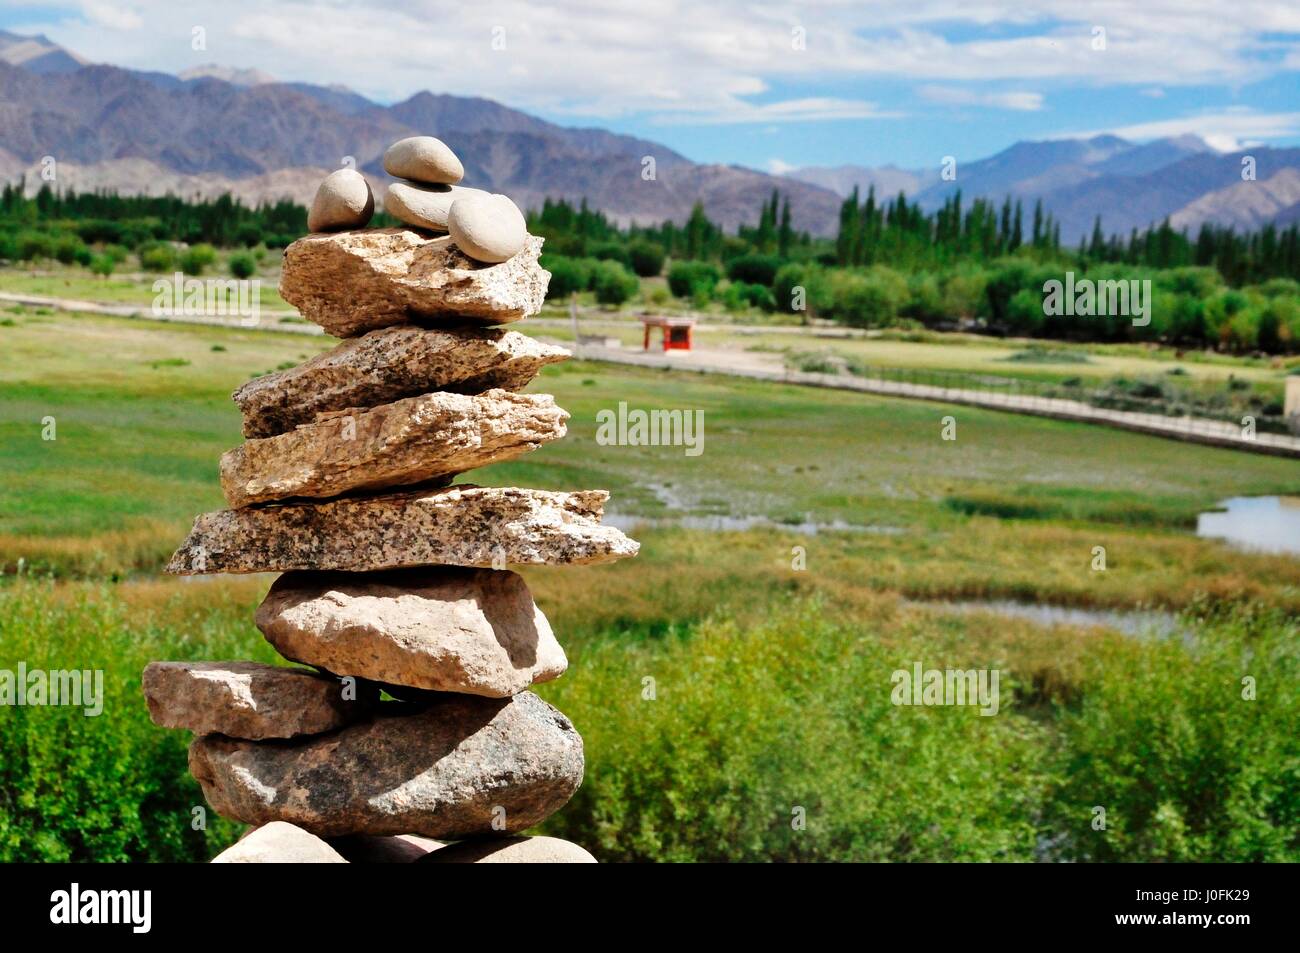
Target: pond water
x,y
628,523
1268,524
1127,621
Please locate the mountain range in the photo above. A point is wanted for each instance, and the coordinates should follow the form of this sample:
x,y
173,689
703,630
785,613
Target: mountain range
x,y
1131,185
214,129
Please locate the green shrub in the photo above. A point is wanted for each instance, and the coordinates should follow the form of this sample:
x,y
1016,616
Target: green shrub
x,y
568,275
688,279
806,282
867,300
34,245
242,265
609,251
740,296
157,257
1185,767
754,269
614,284
197,257
70,249
103,265
963,293
646,258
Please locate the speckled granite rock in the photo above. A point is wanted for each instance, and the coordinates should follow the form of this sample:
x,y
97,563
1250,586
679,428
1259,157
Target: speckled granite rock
x,y
387,365
489,527
279,843
445,772
413,440
475,631
351,282
509,850
249,699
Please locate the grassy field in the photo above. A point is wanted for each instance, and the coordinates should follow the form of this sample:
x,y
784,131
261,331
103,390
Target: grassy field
x,y
773,681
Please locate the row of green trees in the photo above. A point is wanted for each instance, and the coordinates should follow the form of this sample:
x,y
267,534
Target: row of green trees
x,y
890,263
131,221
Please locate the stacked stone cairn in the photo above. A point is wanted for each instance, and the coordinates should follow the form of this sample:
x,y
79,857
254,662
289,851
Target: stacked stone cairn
x,y
413,725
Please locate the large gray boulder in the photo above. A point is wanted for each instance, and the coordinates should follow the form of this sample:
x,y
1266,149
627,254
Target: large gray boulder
x,y
464,766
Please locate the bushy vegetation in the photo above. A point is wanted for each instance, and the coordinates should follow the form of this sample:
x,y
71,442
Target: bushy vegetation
x,y
109,787
710,740
1192,753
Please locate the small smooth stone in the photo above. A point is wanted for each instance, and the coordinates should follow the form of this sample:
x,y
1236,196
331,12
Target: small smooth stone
x,y
343,201
248,699
424,206
510,850
487,228
423,159
279,843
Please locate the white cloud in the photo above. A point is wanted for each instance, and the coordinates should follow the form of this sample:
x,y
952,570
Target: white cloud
x,y
1227,131
695,58
960,96
779,166
790,110
113,16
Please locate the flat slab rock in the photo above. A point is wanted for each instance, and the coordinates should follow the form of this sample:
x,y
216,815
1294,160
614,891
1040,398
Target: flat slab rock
x,y
486,527
509,850
388,364
279,843
249,699
448,771
356,281
475,631
410,441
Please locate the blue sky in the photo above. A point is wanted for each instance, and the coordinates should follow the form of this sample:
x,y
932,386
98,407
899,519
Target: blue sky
x,y
766,85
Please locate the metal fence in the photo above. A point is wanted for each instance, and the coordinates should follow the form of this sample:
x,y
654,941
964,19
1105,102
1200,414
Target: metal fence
x,y
1045,396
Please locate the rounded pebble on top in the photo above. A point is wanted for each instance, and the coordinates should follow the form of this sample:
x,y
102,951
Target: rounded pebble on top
x,y
342,201
423,159
424,206
487,228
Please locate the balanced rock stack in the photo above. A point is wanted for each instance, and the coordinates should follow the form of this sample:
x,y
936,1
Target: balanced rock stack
x,y
414,721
